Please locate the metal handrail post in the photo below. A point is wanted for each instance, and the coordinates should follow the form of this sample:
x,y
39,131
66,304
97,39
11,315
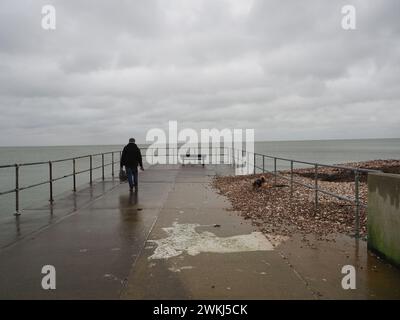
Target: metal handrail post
x,y
91,170
102,166
17,213
291,178
51,182
275,169
254,164
112,164
316,185
357,209
74,173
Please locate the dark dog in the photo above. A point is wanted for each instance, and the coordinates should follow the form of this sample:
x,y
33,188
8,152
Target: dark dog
x,y
259,182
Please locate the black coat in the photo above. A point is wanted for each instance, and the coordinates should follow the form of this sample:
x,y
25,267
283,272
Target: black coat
x,y
131,156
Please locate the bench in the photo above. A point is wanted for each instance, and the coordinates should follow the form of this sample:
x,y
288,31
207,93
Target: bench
x,y
188,157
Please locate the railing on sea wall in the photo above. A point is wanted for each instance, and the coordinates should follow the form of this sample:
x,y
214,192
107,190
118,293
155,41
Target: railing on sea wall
x,y
357,172
51,177
230,156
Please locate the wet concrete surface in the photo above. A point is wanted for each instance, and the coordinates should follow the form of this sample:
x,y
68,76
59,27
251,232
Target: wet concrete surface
x,y
100,242
43,214
319,263
91,242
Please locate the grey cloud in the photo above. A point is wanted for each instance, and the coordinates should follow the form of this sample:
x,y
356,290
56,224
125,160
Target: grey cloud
x,y
118,68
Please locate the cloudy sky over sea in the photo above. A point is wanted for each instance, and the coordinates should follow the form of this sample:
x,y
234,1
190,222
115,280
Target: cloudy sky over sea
x,y
114,69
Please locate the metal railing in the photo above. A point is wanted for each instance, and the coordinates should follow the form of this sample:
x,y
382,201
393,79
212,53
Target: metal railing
x,y
355,171
50,181
169,152
74,171
234,158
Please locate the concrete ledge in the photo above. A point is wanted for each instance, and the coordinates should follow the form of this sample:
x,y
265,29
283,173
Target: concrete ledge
x,y
384,215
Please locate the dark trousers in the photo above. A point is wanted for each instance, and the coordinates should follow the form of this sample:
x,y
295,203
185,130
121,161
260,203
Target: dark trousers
x,y
132,174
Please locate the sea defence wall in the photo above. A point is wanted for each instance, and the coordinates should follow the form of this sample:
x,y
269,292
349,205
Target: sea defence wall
x,y
384,215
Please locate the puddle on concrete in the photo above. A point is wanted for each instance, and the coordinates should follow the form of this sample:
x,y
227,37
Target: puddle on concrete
x,y
183,238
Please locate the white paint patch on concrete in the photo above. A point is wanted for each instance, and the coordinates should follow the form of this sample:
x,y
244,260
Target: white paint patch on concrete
x,y
186,268
179,269
183,238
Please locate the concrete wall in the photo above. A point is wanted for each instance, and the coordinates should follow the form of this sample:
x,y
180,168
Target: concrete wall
x,y
384,215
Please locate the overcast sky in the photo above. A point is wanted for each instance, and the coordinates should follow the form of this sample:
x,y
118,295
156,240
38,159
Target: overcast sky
x,y
114,69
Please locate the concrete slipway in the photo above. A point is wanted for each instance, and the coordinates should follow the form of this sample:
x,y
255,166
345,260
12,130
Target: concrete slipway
x,y
175,239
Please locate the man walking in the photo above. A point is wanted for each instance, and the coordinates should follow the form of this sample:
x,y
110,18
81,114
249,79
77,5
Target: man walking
x,y
131,158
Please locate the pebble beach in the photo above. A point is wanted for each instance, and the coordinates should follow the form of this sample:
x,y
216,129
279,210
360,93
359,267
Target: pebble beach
x,y
277,211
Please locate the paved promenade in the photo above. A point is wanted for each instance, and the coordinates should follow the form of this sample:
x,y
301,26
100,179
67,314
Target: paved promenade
x,y
175,239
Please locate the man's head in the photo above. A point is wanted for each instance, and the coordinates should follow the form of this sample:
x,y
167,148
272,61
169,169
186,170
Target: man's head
x,y
131,140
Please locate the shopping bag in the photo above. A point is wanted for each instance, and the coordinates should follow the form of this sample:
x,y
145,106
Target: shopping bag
x,y
122,175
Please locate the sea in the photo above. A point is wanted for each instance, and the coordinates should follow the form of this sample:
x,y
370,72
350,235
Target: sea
x,y
316,151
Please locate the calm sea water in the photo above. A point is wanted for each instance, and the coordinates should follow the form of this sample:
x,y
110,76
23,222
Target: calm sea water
x,y
327,151
333,151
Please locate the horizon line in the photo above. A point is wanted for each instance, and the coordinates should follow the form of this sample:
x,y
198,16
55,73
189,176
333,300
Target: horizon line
x,y
256,141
